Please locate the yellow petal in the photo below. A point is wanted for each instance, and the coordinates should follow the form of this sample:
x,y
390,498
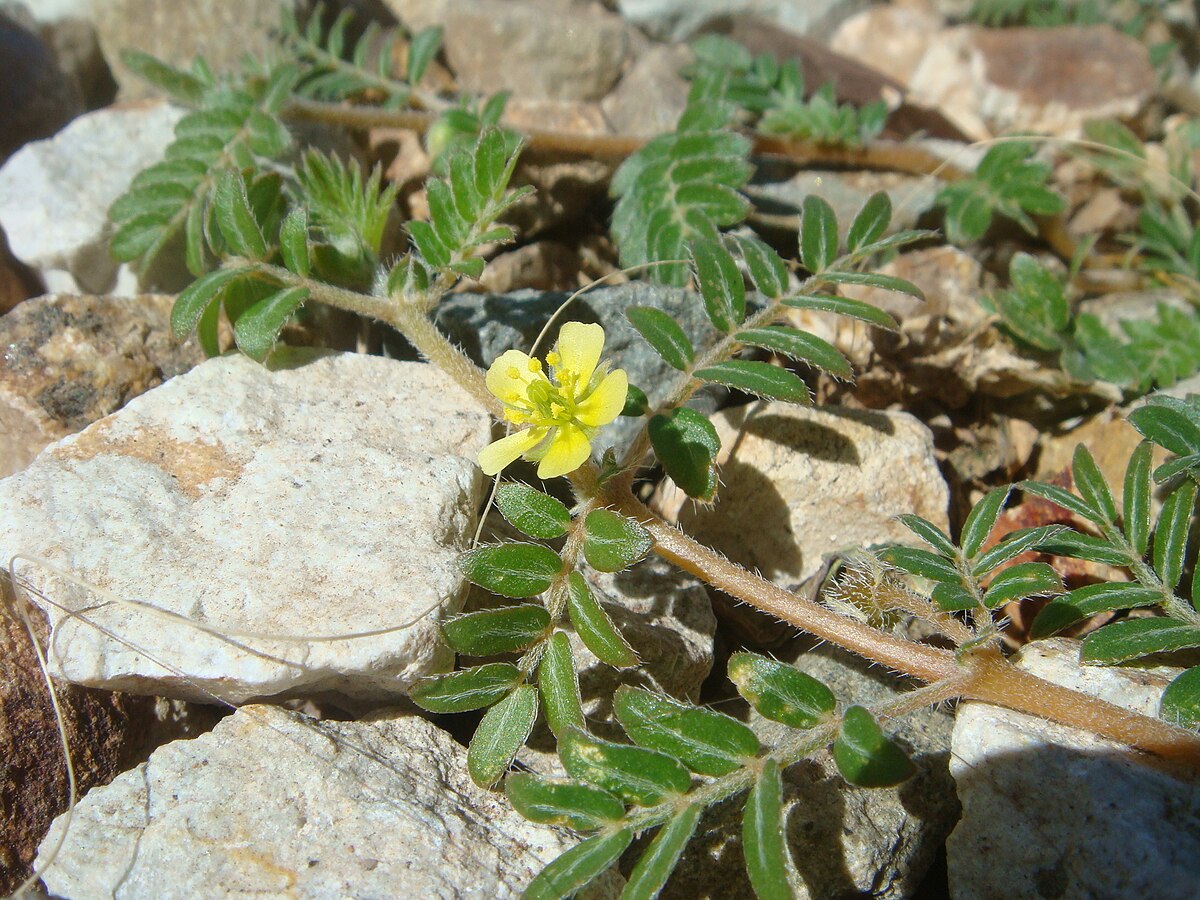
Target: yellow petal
x,y
510,375
569,449
498,454
606,401
579,349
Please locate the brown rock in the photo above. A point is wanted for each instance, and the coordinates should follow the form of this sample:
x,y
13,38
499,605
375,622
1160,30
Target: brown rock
x,y
652,95
36,97
543,266
70,360
570,116
17,281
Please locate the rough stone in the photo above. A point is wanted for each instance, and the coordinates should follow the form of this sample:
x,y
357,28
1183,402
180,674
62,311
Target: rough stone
x,y
652,95
271,802
798,483
221,32
70,360
679,19
36,97
55,194
540,266
273,507
534,48
1050,811
486,326
846,841
17,281
891,38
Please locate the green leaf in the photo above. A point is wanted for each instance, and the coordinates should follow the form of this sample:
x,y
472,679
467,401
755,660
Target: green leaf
x,y
492,631
663,334
1180,702
780,692
1020,581
1136,514
922,562
1131,638
763,833
568,803
515,570
638,776
871,222
1167,427
1014,544
1067,542
662,856
1085,602
198,296
501,733
595,628
466,689
558,680
235,218
767,270
930,534
612,542
758,378
876,280
720,284
422,49
867,757
1063,498
686,443
953,597
636,402
981,520
257,328
799,345
532,512
293,242
574,869
844,306
179,84
818,234
1171,533
707,742
1091,484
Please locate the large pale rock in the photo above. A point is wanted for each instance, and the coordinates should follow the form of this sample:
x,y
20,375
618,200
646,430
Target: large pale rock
x,y
55,194
799,482
274,804
273,507
653,94
846,841
71,360
679,19
1050,811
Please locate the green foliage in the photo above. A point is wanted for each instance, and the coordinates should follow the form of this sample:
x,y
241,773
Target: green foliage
x,y
780,692
532,512
707,742
867,757
687,445
492,631
763,836
467,689
638,776
501,733
594,627
513,569
612,542
1006,182
773,98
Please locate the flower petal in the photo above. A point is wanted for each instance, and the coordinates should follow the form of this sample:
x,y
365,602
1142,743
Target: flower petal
x,y
509,377
498,454
568,450
606,402
579,348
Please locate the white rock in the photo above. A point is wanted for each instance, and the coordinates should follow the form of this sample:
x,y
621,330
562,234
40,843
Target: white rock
x,y
677,20
328,498
275,805
798,483
55,194
1050,811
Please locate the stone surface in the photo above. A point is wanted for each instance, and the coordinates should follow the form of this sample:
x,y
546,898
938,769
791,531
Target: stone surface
x,y
36,97
652,95
17,281
55,194
540,266
485,326
891,38
328,495
219,31
534,48
70,360
800,482
679,19
274,804
1049,811
846,841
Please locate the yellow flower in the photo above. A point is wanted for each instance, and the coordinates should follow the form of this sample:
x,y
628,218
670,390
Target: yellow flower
x,y
558,414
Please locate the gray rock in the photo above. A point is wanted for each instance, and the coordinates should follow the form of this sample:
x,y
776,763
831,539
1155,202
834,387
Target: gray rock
x,y
1050,811
55,194
799,482
487,325
845,841
36,97
221,32
679,19
70,360
652,95
275,804
328,495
